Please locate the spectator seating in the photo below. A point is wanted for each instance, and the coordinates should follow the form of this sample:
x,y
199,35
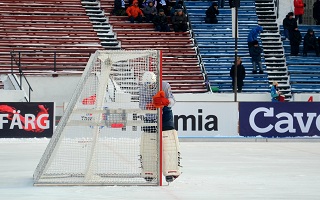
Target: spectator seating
x,y
304,71
50,35
180,63
217,45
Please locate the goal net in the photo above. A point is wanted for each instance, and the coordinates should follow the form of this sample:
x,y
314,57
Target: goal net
x,y
98,139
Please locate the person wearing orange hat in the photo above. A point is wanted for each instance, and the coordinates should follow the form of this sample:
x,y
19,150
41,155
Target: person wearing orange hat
x,y
134,12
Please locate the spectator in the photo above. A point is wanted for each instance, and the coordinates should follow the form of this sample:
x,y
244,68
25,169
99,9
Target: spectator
x,y
295,40
253,35
241,74
161,22
141,3
179,21
275,93
179,5
171,11
149,11
134,12
211,14
316,12
298,9
310,42
221,3
255,53
289,24
146,3
162,4
119,8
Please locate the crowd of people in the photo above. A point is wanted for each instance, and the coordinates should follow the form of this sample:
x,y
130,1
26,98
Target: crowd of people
x,y
292,33
154,11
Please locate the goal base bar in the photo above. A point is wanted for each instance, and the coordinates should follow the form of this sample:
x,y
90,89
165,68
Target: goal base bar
x,y
93,184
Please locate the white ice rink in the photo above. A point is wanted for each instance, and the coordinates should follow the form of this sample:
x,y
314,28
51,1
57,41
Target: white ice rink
x,y
211,170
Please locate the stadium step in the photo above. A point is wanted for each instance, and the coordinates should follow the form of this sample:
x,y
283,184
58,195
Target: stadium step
x,y
216,44
100,25
180,63
273,48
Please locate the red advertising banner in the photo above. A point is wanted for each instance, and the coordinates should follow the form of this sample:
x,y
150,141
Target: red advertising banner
x,y
26,120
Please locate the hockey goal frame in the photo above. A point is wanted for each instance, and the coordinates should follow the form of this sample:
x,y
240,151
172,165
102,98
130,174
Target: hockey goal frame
x,y
56,139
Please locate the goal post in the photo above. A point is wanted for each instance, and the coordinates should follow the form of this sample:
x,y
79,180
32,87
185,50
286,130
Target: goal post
x,y
99,137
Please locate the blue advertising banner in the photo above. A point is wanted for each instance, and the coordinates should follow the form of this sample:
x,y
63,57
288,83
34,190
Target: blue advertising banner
x,y
279,119
26,120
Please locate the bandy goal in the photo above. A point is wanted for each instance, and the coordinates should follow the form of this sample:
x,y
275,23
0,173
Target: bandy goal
x,y
99,139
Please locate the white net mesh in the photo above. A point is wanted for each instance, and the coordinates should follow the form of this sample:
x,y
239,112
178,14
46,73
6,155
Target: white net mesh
x,y
97,141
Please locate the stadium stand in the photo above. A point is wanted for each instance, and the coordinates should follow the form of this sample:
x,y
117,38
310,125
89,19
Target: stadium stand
x,y
45,36
181,65
217,45
304,71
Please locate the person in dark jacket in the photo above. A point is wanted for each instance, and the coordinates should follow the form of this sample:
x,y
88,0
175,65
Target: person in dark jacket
x,y
253,35
295,40
241,74
310,43
289,24
160,22
149,11
316,12
119,8
211,14
255,53
179,21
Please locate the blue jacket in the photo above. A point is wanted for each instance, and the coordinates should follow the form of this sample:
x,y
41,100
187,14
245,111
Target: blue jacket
x,y
274,94
253,35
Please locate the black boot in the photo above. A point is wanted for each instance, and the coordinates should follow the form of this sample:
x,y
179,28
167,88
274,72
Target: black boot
x,y
170,179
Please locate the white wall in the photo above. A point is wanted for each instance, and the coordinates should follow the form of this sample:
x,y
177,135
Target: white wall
x,y
305,96
60,89
285,6
12,96
53,89
223,97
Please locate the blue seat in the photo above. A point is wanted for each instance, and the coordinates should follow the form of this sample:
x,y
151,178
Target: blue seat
x,y
216,45
304,71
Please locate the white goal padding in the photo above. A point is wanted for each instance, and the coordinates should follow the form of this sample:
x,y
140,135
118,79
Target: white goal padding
x,y
97,141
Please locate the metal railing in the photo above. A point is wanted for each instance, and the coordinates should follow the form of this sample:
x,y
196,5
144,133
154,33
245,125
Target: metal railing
x,y
21,74
276,5
203,69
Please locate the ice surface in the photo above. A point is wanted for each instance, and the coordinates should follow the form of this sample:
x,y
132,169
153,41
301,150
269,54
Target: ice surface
x,y
211,170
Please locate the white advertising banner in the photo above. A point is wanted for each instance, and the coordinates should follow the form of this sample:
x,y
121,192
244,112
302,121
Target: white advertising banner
x,y
206,119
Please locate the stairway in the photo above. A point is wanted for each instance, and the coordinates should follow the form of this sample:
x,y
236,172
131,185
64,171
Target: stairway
x,y
272,45
100,24
180,63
